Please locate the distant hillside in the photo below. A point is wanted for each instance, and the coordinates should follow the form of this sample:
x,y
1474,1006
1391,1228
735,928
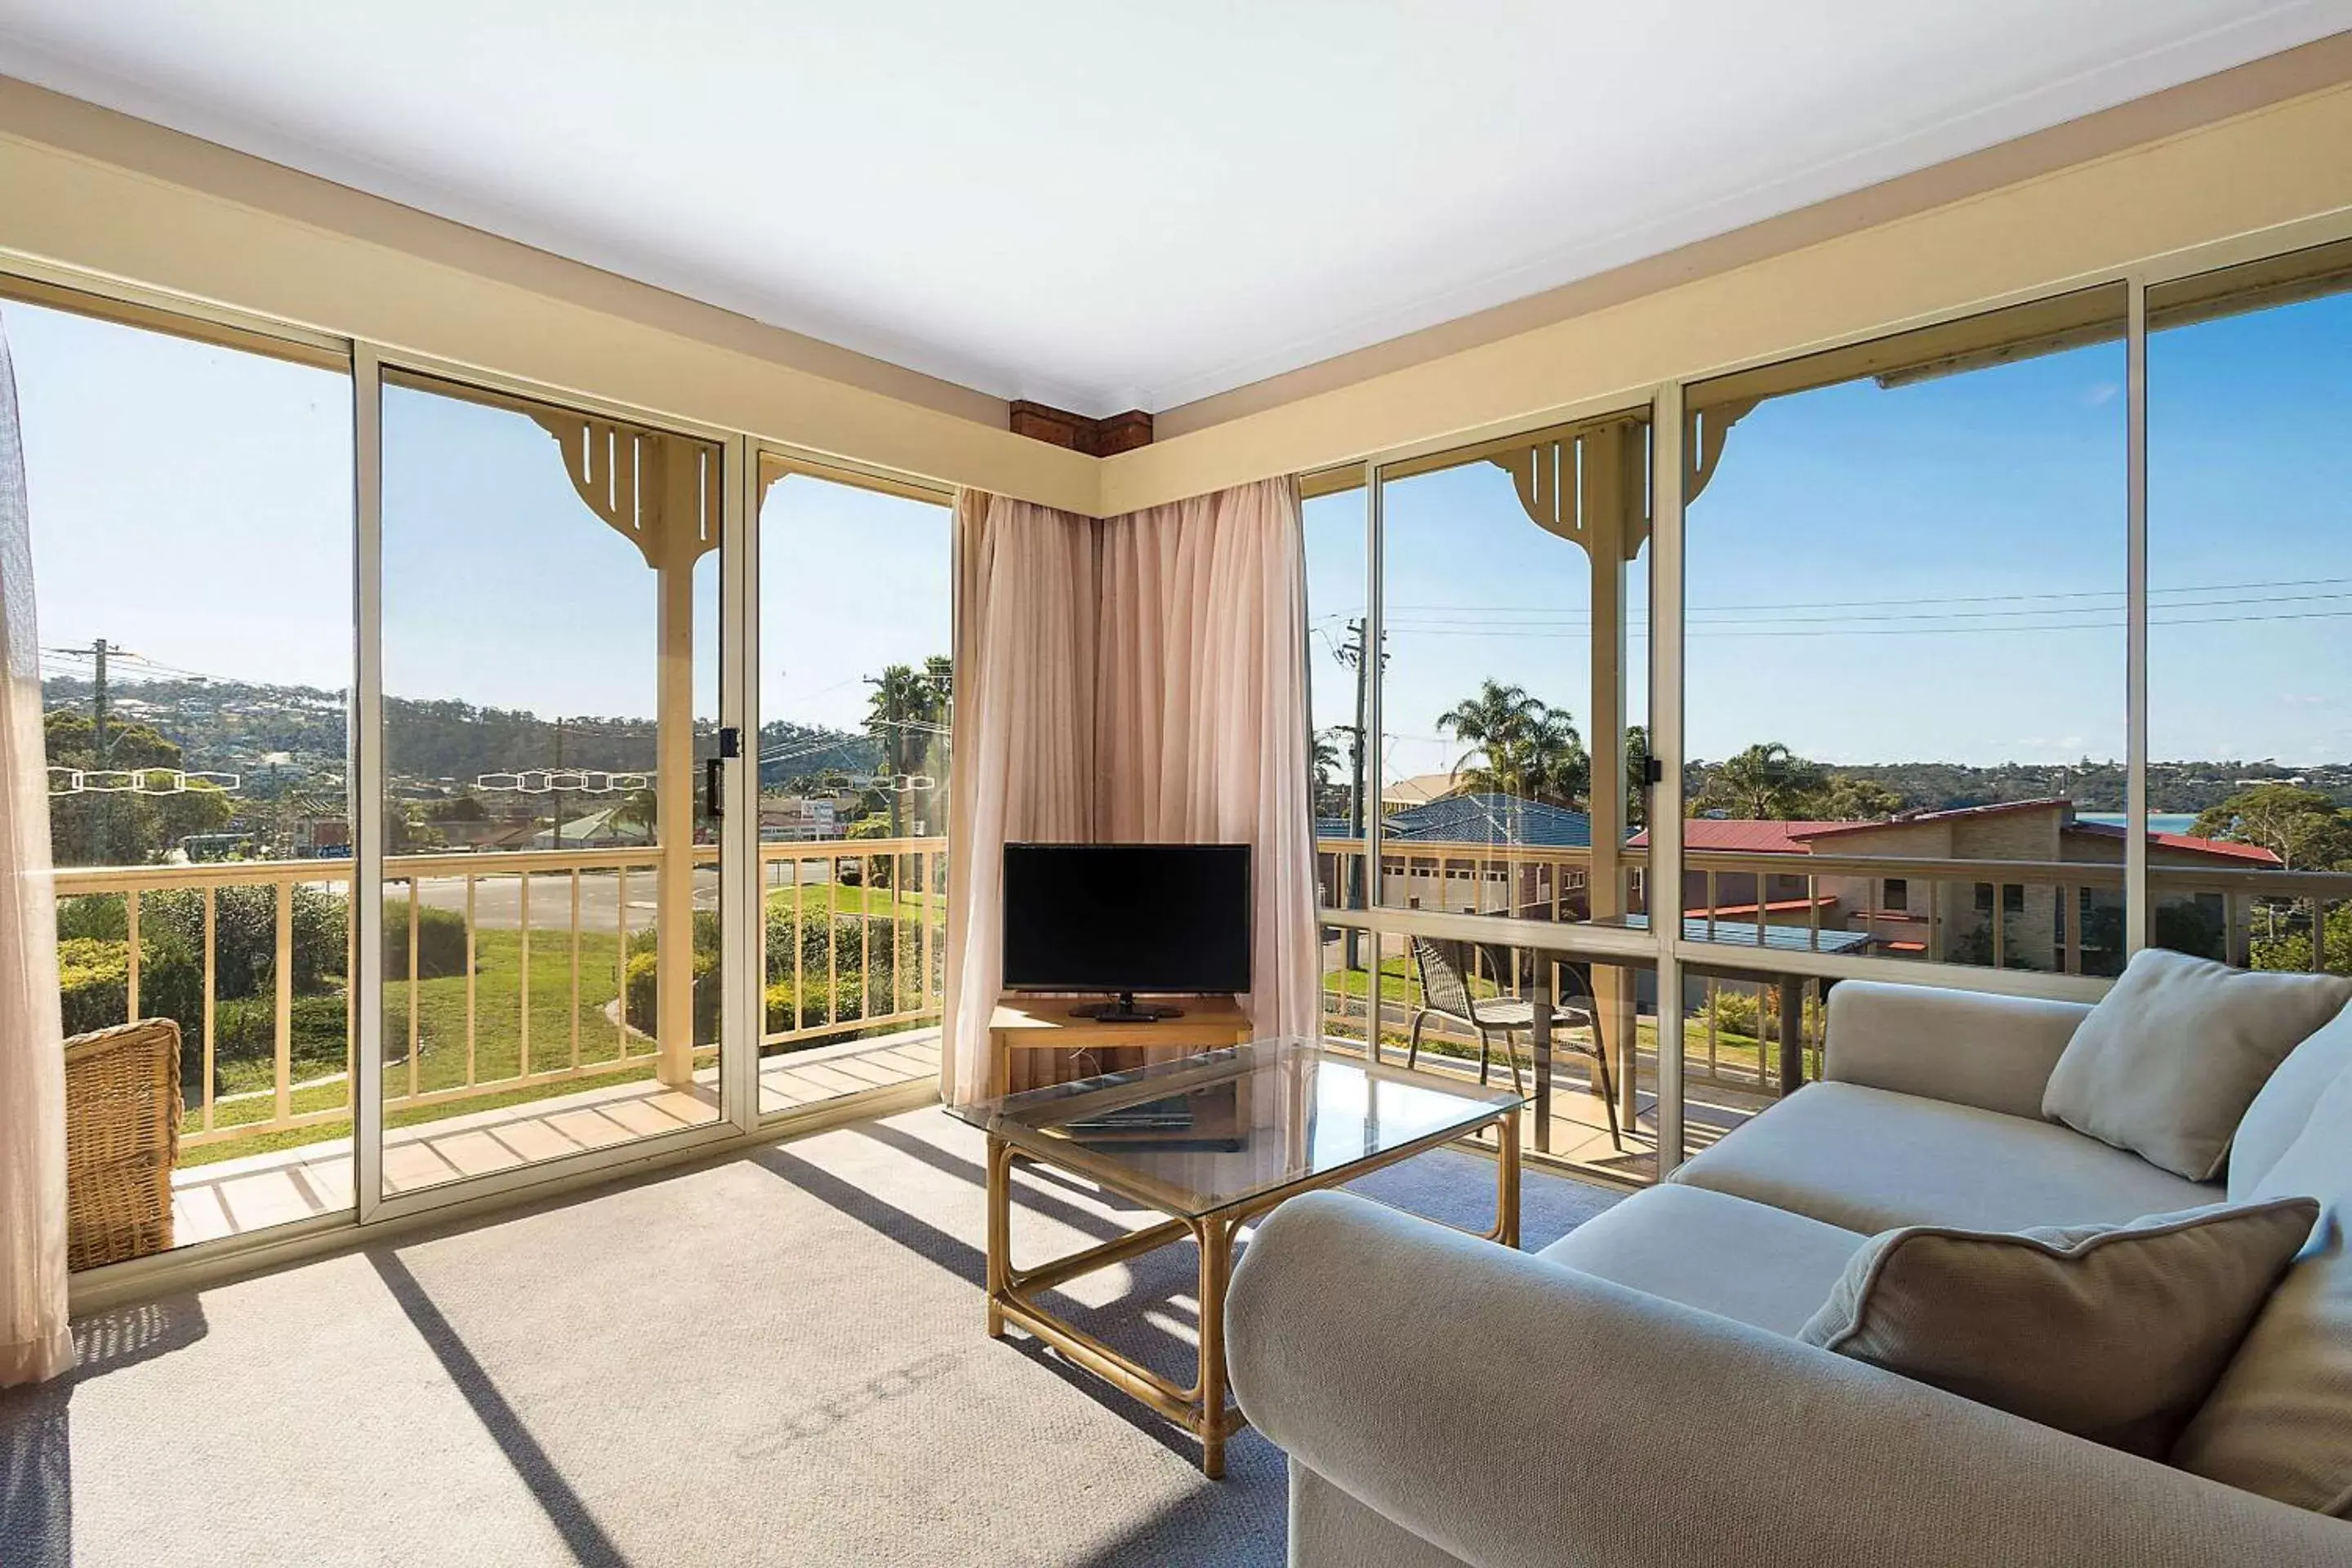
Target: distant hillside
x,y
229,726
2172,786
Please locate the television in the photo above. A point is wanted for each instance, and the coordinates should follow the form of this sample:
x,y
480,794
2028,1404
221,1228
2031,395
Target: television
x,y
1170,918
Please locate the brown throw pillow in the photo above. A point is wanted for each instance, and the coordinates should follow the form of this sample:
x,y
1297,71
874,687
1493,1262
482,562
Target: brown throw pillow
x,y
2114,1332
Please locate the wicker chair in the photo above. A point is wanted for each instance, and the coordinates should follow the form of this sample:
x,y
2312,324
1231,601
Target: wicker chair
x,y
1444,967
123,1138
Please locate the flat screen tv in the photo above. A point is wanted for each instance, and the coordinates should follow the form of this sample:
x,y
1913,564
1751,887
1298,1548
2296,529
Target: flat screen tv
x,y
1170,918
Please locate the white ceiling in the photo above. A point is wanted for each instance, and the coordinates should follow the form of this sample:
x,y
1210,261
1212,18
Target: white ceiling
x,y
1106,206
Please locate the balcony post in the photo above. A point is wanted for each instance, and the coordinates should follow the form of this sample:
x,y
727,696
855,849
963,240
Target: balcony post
x,y
674,826
1611,497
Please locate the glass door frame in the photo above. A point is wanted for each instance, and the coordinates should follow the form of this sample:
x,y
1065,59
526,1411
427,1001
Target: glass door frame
x,y
737,826
743,938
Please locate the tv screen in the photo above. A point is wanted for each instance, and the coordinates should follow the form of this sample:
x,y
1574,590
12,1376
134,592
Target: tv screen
x,y
1170,918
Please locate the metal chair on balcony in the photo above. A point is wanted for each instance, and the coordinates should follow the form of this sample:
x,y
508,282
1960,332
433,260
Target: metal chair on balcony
x,y
123,1138
1445,968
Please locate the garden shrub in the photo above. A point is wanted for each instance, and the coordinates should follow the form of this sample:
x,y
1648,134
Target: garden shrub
x,y
642,985
93,979
245,933
440,941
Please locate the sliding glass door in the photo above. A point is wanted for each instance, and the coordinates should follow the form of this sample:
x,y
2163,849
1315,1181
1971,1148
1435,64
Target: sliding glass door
x,y
856,710
552,977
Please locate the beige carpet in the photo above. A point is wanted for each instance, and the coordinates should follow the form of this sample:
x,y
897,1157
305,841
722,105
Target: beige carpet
x,y
776,1360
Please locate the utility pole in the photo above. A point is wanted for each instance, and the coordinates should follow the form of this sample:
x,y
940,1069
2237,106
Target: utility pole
x,y
1351,654
894,725
556,836
102,742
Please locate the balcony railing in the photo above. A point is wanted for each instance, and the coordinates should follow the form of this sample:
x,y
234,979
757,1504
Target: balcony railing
x,y
864,920
2062,916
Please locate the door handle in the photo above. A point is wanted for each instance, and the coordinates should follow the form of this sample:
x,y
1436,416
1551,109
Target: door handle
x,y
711,787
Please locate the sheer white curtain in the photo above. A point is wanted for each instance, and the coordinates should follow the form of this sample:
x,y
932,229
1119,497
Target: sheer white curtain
x,y
34,1339
1201,711
1140,678
1024,761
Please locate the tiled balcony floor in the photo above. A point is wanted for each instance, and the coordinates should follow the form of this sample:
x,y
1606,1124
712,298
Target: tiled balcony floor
x,y
229,1197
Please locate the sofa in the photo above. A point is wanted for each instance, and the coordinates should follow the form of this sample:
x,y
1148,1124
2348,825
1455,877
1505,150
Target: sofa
x,y
1635,1393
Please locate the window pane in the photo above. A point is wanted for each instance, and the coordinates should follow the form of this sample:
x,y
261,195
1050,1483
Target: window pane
x,y
1339,681
1509,755
2250,596
191,529
1905,643
551,943
857,698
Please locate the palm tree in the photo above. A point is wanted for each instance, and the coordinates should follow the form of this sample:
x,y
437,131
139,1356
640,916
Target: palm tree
x,y
900,697
1323,760
1518,745
1491,723
1637,775
1551,760
638,808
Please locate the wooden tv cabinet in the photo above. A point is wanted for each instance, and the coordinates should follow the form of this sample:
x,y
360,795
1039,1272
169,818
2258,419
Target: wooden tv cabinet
x,y
1033,1041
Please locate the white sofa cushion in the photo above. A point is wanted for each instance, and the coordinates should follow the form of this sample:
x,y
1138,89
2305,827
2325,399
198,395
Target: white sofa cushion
x,y
2174,1053
2279,1113
1868,1160
2280,1420
1742,1261
2111,1333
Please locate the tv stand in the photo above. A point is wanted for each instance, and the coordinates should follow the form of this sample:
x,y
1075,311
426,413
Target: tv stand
x,y
1126,1010
1038,1040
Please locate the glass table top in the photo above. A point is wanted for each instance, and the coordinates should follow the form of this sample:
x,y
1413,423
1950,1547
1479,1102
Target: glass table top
x,y
1227,1127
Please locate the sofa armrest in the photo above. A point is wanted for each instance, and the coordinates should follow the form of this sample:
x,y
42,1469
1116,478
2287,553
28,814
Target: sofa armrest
x,y
1511,1410
1968,1047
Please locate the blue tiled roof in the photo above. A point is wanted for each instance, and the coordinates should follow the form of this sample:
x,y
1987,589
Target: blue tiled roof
x,y
1493,819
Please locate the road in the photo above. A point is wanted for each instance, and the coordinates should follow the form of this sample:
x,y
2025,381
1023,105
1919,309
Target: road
x,y
497,899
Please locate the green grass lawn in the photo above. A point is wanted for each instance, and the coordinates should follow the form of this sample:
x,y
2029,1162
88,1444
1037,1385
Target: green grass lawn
x,y
498,1033
818,897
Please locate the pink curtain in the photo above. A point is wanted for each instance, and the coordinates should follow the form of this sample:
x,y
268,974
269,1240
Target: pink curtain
x,y
1201,710
34,1339
1140,678
1023,762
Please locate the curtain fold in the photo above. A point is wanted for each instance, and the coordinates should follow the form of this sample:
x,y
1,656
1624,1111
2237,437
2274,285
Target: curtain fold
x,y
35,1341
1201,711
1024,761
1137,680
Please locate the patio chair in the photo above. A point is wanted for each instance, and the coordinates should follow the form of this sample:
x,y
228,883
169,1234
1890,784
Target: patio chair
x,y
1445,967
123,1138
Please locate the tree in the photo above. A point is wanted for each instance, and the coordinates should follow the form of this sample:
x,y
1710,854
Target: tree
x,y
1323,760
133,827
1518,745
1850,799
1766,782
639,808
1637,776
2303,828
908,716
900,694
1551,759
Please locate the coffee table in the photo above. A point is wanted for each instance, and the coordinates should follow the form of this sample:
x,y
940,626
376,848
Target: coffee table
x,y
1214,1141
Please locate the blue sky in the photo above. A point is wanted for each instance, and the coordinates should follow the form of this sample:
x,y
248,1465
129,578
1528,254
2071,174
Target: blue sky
x,y
1930,571
192,503
1933,571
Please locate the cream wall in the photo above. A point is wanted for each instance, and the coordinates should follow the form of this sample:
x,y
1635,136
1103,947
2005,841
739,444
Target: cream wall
x,y
86,188
2272,170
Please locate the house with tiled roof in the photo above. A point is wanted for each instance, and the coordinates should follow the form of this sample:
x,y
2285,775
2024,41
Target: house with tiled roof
x,y
1459,853
2039,925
